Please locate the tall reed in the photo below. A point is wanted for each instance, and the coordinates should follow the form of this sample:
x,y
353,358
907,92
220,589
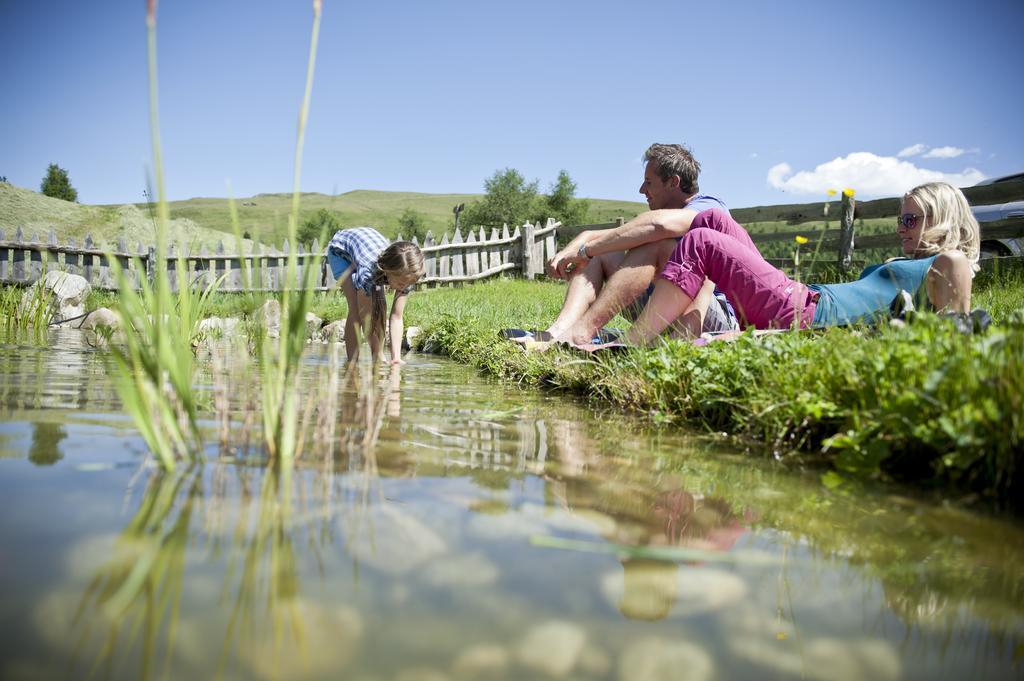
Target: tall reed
x,y
155,365
280,409
22,311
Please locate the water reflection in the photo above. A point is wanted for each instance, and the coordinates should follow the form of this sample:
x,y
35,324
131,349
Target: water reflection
x,y
66,373
436,526
46,438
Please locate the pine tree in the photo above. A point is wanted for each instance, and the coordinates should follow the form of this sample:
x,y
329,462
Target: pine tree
x,y
57,184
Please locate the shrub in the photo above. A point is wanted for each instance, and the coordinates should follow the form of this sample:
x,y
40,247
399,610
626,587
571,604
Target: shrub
x,y
321,225
57,185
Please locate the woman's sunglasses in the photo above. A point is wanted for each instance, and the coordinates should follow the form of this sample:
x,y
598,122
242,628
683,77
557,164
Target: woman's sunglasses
x,y
908,220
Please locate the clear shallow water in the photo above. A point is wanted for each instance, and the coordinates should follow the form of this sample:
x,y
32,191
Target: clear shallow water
x,y
489,534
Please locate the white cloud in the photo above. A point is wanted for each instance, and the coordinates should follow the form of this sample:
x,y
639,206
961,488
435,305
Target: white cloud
x,y
753,154
944,152
867,173
912,150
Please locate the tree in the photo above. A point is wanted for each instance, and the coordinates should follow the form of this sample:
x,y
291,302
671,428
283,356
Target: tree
x,y
324,222
412,224
509,199
562,204
57,184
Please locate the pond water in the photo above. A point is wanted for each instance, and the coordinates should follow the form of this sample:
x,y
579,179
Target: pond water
x,y
448,527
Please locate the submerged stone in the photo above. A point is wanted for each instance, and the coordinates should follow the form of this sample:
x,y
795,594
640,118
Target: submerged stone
x,y
659,659
325,645
483,660
459,571
553,648
647,589
392,541
421,674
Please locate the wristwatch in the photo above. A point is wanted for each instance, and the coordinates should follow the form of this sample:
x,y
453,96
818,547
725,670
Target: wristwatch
x,y
582,253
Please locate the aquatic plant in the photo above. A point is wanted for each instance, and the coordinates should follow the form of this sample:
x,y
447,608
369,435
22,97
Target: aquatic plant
x,y
21,312
155,363
280,408
138,590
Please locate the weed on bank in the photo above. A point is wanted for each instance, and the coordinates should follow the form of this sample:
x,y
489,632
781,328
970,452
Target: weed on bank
x,y
922,402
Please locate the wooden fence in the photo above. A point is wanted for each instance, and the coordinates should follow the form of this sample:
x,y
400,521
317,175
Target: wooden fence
x,y
836,245
451,260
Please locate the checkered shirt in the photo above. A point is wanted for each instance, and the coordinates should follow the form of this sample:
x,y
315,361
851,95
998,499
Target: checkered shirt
x,y
362,246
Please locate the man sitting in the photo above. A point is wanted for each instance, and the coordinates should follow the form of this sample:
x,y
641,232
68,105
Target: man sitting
x,y
611,270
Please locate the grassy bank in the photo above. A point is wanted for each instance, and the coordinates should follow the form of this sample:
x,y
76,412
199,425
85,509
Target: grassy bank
x,y
922,403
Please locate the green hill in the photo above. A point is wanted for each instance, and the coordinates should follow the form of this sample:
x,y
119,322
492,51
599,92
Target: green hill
x,y
207,221
36,215
264,216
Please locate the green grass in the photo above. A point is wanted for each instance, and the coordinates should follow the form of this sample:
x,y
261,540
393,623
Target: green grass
x,y
207,221
921,403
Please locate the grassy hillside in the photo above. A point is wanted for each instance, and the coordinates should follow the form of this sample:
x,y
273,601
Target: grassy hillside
x,y
36,214
265,216
207,221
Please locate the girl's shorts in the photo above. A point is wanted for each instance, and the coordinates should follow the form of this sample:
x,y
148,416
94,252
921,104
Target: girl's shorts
x,y
339,262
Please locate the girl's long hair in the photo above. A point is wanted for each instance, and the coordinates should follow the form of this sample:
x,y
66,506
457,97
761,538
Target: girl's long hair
x,y
401,258
954,227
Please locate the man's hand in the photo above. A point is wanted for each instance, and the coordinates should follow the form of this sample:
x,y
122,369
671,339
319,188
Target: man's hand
x,y
568,262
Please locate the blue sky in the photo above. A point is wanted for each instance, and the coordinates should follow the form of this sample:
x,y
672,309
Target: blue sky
x,y
778,100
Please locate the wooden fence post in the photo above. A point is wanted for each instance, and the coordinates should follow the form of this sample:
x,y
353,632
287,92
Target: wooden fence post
x,y
458,255
528,253
846,232
472,256
444,260
87,259
54,264
430,264
35,257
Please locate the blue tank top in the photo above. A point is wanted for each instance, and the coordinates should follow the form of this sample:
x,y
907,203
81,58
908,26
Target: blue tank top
x,y
868,297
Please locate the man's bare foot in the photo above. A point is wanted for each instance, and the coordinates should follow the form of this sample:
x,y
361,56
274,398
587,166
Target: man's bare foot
x,y
579,335
537,337
530,345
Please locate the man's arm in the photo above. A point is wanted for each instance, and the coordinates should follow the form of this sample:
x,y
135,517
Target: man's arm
x,y
644,228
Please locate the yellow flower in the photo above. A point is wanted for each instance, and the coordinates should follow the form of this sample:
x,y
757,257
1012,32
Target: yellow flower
x,y
831,192
848,192
781,636
801,239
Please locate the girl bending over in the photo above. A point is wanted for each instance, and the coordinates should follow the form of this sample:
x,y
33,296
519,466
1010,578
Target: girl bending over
x,y
364,262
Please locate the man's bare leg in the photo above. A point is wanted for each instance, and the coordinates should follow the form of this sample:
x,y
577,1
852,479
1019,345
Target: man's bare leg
x,y
667,303
584,289
690,324
625,285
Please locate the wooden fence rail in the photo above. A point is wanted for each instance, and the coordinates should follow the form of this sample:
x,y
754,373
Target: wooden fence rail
x,y
836,245
451,260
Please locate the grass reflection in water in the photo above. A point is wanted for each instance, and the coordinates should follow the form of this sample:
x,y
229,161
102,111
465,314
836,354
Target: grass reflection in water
x,y
451,525
252,512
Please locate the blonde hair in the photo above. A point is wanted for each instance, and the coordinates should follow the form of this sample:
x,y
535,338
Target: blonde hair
x,y
953,225
402,258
